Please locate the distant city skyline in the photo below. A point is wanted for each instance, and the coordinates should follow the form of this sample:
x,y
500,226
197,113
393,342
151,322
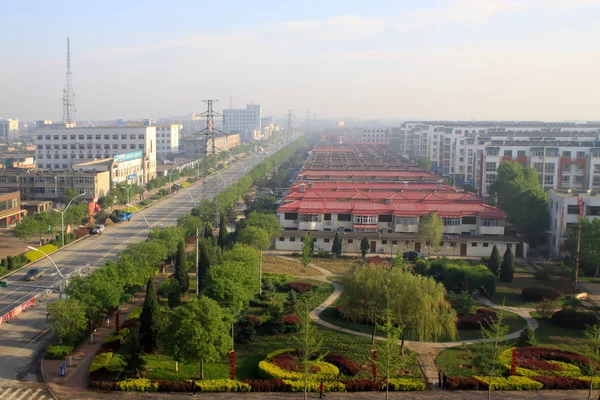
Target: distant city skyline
x,y
445,59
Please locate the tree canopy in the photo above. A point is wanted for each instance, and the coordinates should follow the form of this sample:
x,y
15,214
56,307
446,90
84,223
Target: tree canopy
x,y
66,319
268,222
232,284
255,237
431,229
589,252
150,319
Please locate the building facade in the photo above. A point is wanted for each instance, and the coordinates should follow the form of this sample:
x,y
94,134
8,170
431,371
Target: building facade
x,y
245,121
9,130
376,136
167,140
10,210
59,149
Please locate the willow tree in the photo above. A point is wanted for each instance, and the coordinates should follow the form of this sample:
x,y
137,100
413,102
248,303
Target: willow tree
x,y
417,303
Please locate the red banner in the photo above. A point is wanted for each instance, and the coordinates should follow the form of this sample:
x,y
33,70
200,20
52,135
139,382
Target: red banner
x,y
580,204
17,310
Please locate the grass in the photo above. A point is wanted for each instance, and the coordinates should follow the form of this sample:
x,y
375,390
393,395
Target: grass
x,y
510,293
337,266
460,361
274,264
514,322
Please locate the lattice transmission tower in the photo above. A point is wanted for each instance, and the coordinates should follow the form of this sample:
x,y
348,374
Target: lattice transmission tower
x,y
68,97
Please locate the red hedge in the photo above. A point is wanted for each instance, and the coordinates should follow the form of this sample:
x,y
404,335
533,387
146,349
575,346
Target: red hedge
x,y
174,386
483,317
292,319
549,354
362,385
562,382
254,319
346,366
466,383
286,361
300,287
538,364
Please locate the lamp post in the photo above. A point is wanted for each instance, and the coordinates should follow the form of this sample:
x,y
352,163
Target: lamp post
x,y
140,211
128,188
186,189
62,218
55,266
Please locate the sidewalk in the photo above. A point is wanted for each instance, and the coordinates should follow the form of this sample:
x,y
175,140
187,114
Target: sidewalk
x,y
77,374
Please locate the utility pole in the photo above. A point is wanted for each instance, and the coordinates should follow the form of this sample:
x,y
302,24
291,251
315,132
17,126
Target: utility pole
x,y
197,257
290,124
578,251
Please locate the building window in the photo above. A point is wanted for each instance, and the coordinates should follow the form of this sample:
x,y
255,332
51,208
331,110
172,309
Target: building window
x,y
327,217
292,239
566,154
578,179
579,167
521,153
326,240
596,181
350,241
550,168
281,239
592,210
344,217
548,179
566,179
492,222
537,153
486,245
490,178
507,153
580,154
539,167
572,209
365,220
406,221
290,216
473,244
310,217
469,220
451,221
566,167
492,152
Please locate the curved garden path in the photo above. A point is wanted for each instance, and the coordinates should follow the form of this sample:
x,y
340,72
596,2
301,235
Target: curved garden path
x,y
426,352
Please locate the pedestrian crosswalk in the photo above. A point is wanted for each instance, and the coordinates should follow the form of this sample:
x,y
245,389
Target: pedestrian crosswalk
x,y
23,394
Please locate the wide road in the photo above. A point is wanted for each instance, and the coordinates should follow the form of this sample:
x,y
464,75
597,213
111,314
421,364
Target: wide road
x,y
23,337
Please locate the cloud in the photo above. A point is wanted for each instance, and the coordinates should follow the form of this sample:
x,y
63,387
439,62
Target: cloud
x,y
346,27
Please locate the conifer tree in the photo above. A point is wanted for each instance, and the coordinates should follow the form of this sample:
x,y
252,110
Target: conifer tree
x,y
494,262
222,239
150,319
181,273
507,270
527,337
336,247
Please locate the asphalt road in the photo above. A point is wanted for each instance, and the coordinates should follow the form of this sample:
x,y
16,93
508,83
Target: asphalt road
x,y
23,337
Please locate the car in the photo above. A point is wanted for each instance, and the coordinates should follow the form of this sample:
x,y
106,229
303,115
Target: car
x,y
98,229
33,274
413,256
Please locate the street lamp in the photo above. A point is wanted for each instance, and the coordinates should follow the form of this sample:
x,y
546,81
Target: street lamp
x,y
135,208
62,217
55,266
183,187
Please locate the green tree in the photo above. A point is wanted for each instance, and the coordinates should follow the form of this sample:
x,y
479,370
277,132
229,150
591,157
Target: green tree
x,y
205,210
150,319
494,262
169,236
290,302
364,246
69,195
107,288
28,226
507,269
181,268
492,348
388,351
399,261
174,294
208,231
197,333
308,247
222,239
81,289
148,256
190,224
424,163
67,319
255,237
336,247
589,252
268,222
232,284
310,343
431,229
106,202
132,360
527,337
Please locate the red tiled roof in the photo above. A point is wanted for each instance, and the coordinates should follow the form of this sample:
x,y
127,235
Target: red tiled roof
x,y
372,185
445,210
381,196
372,173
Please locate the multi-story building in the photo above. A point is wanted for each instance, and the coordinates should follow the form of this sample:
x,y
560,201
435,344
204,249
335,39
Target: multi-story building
x,y
245,121
59,149
371,192
375,136
10,209
200,146
51,185
167,140
566,207
9,130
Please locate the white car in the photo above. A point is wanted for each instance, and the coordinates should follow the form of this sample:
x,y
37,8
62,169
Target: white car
x,y
98,230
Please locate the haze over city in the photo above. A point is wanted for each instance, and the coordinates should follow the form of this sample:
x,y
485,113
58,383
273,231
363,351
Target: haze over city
x,y
465,59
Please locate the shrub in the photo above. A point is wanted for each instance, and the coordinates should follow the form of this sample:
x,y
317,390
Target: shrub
x,y
135,313
545,308
101,360
466,383
574,319
483,317
406,384
362,385
245,331
137,385
268,370
291,323
4,263
174,386
323,254
254,319
346,366
36,255
527,337
146,202
461,302
112,346
561,383
103,385
267,385
539,294
313,386
57,351
300,287
512,383
458,275
10,262
131,324
549,354
222,385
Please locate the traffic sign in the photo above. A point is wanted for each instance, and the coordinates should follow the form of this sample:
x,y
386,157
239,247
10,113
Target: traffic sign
x,y
3,284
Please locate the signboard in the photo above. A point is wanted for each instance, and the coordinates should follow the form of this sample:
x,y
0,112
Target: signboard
x,y
17,310
134,155
580,203
131,177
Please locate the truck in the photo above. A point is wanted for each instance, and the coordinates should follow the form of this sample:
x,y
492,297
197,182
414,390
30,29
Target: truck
x,y
124,216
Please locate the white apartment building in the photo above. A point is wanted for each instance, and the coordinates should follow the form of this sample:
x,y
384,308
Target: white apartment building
x,y
566,207
245,121
9,130
59,149
376,136
167,140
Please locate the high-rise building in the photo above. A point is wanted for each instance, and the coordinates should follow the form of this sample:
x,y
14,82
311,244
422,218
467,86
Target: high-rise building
x,y
245,121
9,130
167,140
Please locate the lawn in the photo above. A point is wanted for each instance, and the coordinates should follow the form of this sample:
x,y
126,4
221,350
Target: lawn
x,y
551,335
514,322
510,293
337,266
274,264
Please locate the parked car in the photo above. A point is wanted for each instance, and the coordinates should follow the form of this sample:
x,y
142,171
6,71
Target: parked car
x,y
33,274
98,230
413,256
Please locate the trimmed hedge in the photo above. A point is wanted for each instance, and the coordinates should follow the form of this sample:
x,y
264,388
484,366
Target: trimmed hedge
x,y
313,386
458,276
539,294
562,383
267,385
574,319
222,385
346,366
57,351
102,360
300,287
512,383
405,385
137,385
268,370
482,317
362,385
36,255
466,383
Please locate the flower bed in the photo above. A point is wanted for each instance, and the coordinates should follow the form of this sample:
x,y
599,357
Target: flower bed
x,y
482,317
346,366
300,287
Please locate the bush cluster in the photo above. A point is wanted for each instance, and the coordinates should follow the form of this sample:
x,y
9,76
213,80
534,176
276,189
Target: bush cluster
x,y
539,294
57,351
291,323
324,371
222,385
460,275
512,383
574,319
482,317
549,354
267,385
346,366
137,385
36,255
466,383
562,383
300,287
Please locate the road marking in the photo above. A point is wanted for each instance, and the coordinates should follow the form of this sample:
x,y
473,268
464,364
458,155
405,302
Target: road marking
x,y
36,337
14,394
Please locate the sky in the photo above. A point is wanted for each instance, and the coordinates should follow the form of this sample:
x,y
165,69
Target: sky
x,y
392,59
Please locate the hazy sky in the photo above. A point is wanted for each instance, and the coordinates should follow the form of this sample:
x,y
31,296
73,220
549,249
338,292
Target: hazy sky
x,y
445,59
